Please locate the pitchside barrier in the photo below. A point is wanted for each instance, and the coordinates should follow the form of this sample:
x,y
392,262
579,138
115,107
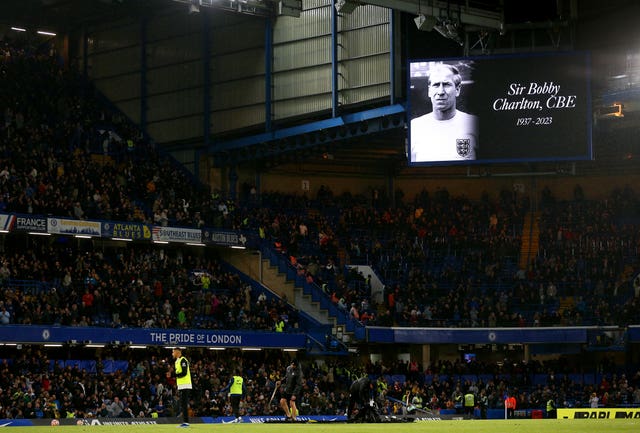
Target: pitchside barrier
x,y
168,420
494,414
586,413
435,416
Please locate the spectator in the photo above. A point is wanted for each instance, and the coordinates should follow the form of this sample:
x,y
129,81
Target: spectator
x,y
5,316
115,408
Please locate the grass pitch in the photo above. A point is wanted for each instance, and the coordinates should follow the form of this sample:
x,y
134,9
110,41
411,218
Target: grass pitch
x,y
466,426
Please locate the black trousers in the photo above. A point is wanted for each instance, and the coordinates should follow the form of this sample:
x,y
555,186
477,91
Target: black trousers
x,y
185,396
235,404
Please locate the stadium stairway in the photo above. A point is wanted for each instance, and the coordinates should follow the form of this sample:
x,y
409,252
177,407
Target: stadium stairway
x,y
530,239
567,303
260,269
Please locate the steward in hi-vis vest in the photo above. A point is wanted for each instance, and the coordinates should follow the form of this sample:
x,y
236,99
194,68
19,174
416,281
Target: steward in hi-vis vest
x,y
183,382
236,390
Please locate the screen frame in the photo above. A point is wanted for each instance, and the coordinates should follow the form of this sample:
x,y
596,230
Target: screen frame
x,y
581,62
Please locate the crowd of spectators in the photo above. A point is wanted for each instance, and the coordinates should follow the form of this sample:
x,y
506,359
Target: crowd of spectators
x,y
137,286
448,261
64,153
454,291
445,260
33,384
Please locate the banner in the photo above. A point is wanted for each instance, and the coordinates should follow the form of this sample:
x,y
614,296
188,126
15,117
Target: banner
x,y
604,413
6,221
30,223
223,238
168,420
176,234
74,227
126,230
150,337
476,335
633,334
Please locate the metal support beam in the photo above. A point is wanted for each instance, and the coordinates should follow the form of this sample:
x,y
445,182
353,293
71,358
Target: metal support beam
x,y
290,141
268,74
334,64
206,72
440,9
248,7
144,97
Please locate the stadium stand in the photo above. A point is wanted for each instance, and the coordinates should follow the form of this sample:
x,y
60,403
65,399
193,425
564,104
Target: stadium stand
x,y
446,262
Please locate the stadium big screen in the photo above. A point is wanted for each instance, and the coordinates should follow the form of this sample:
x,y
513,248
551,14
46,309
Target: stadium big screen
x,y
525,108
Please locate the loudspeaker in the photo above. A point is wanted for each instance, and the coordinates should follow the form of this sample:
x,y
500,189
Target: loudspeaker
x,y
425,23
346,6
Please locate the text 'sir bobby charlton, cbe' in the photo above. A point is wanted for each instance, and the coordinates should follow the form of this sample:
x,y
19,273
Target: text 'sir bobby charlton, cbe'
x,y
445,134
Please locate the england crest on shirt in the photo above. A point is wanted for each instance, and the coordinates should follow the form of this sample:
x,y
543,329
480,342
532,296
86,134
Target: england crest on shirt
x,y
463,146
